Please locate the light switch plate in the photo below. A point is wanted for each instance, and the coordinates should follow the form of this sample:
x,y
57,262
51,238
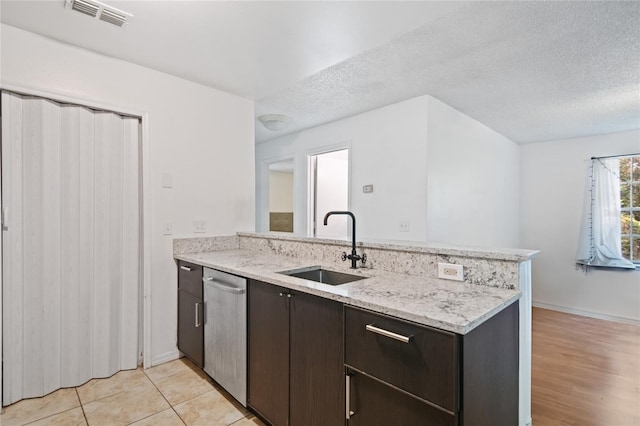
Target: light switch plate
x,y
450,271
168,229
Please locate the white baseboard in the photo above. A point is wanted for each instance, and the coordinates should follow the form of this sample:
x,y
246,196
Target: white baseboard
x,y
585,313
165,357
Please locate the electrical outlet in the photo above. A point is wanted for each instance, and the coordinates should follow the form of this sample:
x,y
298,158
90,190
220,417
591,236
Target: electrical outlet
x,y
199,226
404,226
367,189
449,271
168,229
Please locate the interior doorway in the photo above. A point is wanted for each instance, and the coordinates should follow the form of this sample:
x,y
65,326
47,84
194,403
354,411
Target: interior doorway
x,y
328,190
281,196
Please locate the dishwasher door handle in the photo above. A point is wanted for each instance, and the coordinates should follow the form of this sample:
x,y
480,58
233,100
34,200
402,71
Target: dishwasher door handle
x,y
227,288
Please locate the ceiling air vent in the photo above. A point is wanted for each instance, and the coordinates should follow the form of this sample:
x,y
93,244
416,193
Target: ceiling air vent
x,y
99,10
85,7
113,17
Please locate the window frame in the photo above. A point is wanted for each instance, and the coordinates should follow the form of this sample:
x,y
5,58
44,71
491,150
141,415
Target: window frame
x,y
632,208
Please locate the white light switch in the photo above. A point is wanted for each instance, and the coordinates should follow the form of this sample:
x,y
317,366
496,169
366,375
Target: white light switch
x,y
168,229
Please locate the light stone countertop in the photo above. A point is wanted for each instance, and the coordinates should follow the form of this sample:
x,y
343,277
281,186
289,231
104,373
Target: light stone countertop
x,y
449,305
509,254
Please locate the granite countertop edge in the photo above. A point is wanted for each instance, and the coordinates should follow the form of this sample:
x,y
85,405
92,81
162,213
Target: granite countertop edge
x,y
448,305
507,254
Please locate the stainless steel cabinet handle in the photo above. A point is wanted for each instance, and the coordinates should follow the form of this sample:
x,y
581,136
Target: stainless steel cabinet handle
x,y
347,384
207,279
386,333
281,294
198,323
289,295
186,268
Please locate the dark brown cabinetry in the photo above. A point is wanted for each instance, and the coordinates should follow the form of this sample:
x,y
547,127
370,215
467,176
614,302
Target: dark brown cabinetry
x,y
190,312
296,370
404,373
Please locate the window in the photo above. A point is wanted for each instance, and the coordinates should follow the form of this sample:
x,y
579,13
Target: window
x,y
610,230
630,207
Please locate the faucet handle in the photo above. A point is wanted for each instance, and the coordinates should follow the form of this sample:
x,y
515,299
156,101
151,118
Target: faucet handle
x,y
344,256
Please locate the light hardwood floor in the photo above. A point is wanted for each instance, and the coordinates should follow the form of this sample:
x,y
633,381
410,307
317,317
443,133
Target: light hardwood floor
x,y
585,371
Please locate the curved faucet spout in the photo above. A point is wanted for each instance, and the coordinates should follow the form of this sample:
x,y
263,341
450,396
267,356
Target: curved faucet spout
x,y
326,216
354,254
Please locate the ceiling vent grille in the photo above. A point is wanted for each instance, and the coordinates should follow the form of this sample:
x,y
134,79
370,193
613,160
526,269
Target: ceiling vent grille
x,y
113,17
99,10
85,7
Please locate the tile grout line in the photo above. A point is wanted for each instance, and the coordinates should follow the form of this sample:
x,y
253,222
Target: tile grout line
x,y
164,397
81,406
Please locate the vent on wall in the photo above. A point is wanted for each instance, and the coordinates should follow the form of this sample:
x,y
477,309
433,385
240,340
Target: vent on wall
x,y
99,10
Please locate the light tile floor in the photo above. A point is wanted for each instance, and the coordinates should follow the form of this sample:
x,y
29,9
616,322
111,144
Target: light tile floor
x,y
175,393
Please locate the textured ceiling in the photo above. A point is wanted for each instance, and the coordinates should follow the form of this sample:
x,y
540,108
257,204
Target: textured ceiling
x,y
250,48
530,70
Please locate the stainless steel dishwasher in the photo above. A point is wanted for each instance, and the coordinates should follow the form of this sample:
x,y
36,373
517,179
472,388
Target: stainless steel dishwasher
x,y
225,331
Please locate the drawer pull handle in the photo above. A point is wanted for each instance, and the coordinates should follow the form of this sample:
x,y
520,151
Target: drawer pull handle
x,y
348,413
186,268
386,333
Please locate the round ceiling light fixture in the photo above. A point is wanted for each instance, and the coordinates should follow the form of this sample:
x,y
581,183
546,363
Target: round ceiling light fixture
x,y
275,122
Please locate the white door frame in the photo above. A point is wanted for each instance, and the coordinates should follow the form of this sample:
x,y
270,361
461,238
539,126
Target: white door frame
x,y
309,180
262,192
145,229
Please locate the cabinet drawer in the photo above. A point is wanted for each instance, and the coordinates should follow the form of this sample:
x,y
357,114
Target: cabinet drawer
x,y
425,366
190,278
374,403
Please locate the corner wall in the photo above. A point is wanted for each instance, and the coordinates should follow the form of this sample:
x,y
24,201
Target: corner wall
x,y
452,178
552,187
473,191
201,136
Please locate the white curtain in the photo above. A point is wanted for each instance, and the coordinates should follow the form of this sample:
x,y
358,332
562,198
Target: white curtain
x,y
70,279
600,242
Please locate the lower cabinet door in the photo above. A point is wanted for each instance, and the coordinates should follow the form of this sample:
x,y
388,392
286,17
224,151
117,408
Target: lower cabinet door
x,y
373,403
316,364
191,327
268,324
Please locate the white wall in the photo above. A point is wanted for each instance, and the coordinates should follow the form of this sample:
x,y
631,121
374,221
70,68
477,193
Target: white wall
x,y
387,149
280,192
552,189
473,181
202,136
452,178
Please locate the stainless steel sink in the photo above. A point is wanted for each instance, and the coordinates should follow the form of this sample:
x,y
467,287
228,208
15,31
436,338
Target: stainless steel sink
x,y
324,276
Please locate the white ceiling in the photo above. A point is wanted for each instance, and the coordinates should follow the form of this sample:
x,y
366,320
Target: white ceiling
x,y
531,70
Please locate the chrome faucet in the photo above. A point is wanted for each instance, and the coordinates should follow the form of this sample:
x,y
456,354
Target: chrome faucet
x,y
353,257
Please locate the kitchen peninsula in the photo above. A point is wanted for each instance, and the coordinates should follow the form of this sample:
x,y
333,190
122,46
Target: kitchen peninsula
x,y
487,314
